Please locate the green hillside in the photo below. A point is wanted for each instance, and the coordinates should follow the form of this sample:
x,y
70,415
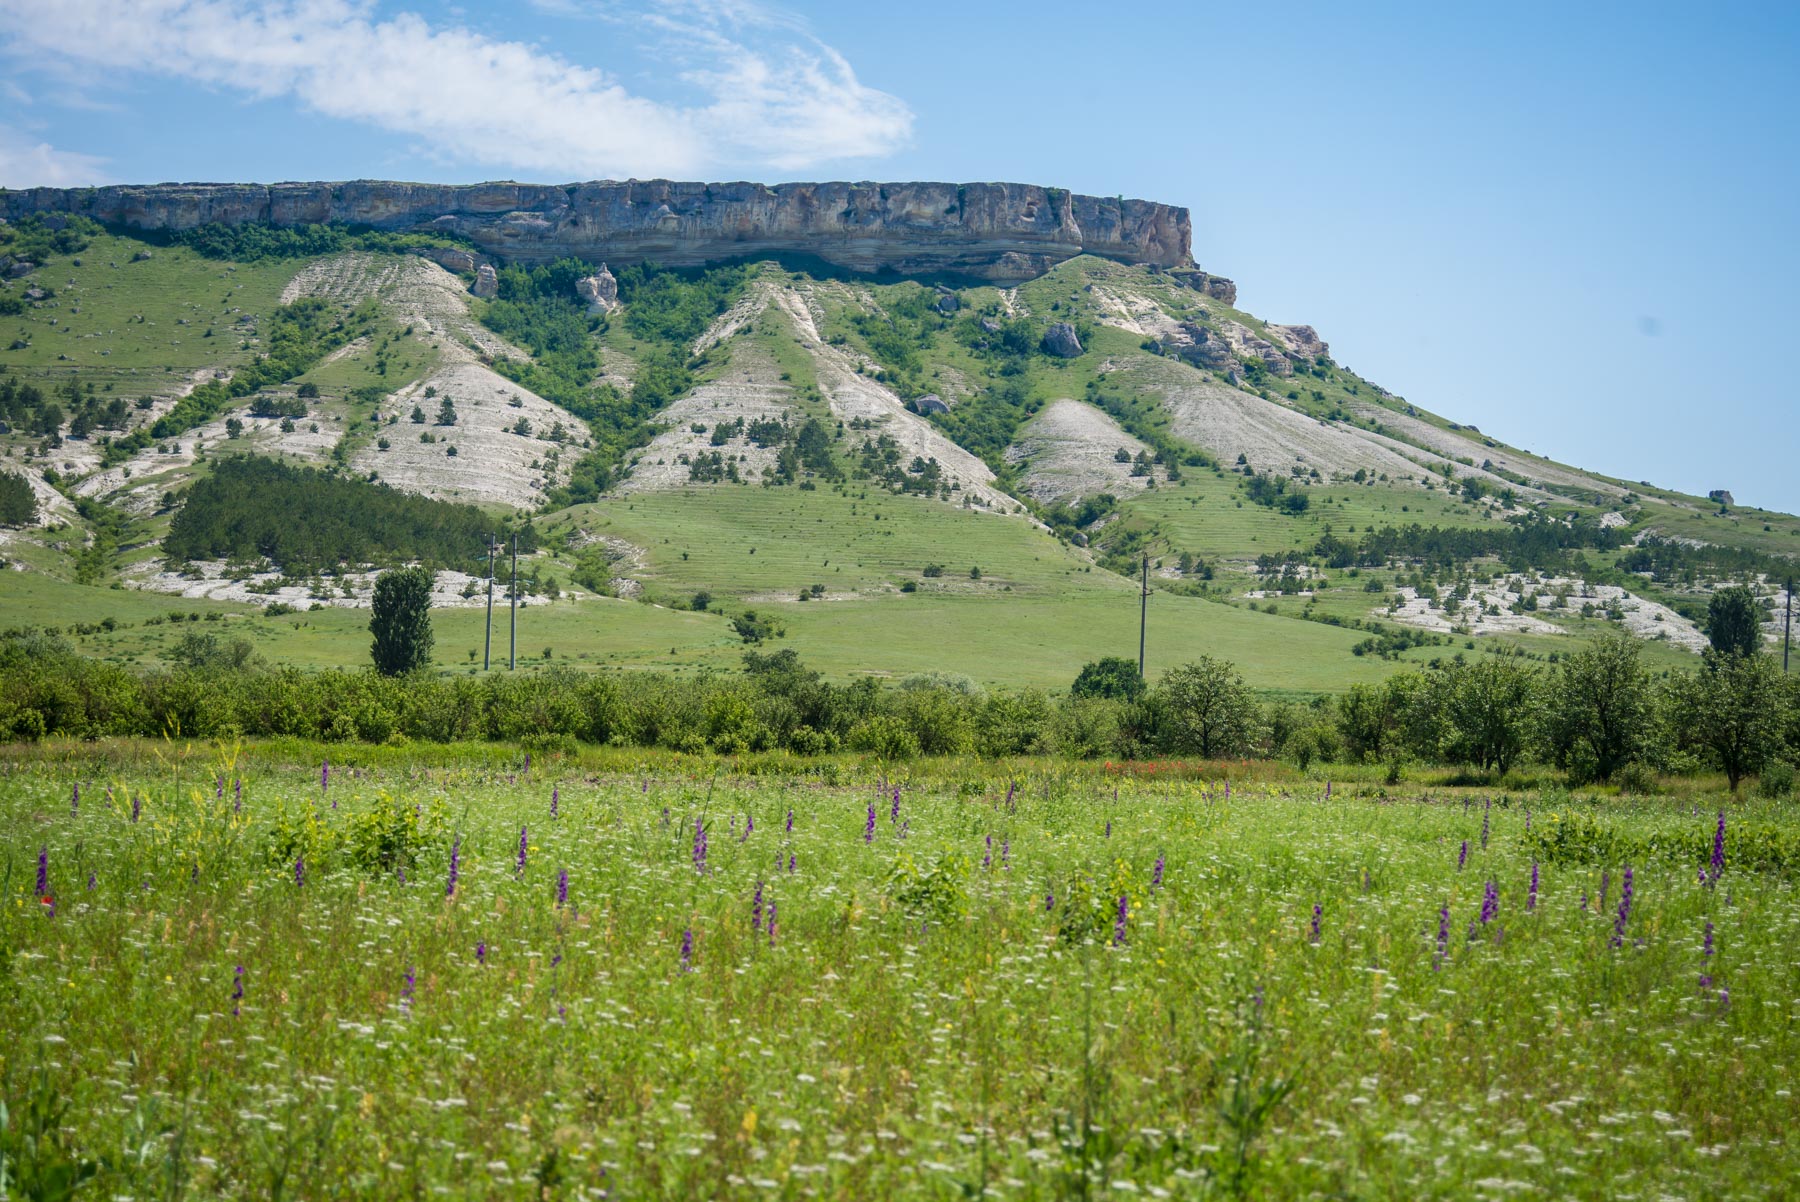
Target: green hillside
x,y
901,476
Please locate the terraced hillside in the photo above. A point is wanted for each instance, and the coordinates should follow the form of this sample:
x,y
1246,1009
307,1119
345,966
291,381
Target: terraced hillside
x,y
894,478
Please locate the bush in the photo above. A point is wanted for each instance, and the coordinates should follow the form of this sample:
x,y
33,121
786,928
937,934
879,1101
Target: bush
x,y
1777,781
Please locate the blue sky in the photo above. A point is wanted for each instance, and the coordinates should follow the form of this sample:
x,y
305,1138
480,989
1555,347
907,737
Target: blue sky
x,y
1571,225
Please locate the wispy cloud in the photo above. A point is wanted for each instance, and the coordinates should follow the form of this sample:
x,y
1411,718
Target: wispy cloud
x,y
770,94
29,162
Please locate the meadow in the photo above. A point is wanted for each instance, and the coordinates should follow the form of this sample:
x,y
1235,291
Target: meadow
x,y
302,970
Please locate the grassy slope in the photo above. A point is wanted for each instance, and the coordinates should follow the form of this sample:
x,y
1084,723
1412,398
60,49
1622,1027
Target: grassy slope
x,y
1040,610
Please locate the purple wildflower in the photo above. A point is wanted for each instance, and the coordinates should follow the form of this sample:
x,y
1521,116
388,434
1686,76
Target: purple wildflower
x,y
75,799
137,806
524,845
1156,875
869,827
1490,903
1531,898
905,825
406,992
43,878
756,908
987,860
687,950
1718,851
749,825
771,924
894,810
1528,821
1011,786
237,994
1109,828
455,865
481,952
699,845
1119,924
528,762
1318,916
91,882
562,888
790,820
1605,885
1485,815
554,797
790,861
1619,923
325,774
1006,853
1443,937
1049,898
299,871
1462,857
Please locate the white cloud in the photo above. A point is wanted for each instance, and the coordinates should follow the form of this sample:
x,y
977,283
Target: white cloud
x,y
786,102
28,163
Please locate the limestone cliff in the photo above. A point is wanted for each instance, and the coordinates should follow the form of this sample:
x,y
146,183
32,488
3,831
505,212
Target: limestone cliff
x,y
994,231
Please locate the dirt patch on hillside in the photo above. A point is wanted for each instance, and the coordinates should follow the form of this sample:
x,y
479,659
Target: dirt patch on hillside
x,y
1070,451
750,389
353,590
1454,445
492,464
415,292
1644,618
856,397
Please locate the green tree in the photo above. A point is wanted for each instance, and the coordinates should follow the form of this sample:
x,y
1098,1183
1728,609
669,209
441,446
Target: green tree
x,y
1110,676
1369,718
1598,714
1730,713
1734,621
1208,710
1487,711
18,504
401,621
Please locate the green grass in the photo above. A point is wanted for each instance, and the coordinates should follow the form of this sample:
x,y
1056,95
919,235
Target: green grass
x,y
179,296
934,1016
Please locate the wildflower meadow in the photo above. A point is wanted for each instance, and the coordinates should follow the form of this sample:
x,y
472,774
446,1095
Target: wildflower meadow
x,y
300,971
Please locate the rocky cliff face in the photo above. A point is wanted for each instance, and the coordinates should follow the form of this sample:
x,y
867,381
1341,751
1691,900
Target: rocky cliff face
x,y
1000,232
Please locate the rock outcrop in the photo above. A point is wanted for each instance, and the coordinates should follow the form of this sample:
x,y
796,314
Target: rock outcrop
x,y
1060,340
1215,286
487,282
600,291
991,231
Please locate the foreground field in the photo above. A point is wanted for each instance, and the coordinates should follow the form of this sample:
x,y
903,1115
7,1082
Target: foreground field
x,y
481,976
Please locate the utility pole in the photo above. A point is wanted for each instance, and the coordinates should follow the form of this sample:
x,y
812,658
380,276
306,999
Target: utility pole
x,y
1143,613
512,658
487,639
1787,626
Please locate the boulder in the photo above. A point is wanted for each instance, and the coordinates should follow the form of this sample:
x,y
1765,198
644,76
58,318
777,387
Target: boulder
x,y
1720,496
142,256
931,402
1301,340
947,302
1060,340
19,268
989,326
600,291
1202,348
487,282
449,258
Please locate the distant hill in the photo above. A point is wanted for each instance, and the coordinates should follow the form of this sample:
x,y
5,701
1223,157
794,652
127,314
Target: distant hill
x,y
938,474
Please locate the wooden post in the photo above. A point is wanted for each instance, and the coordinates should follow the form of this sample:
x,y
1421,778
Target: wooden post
x,y
512,657
1143,613
487,639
